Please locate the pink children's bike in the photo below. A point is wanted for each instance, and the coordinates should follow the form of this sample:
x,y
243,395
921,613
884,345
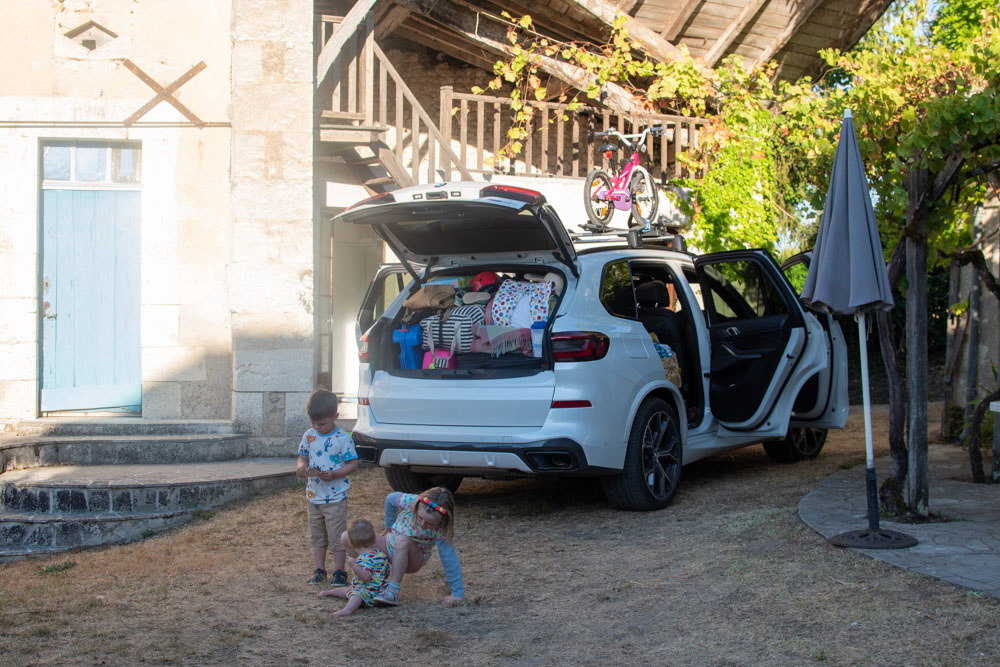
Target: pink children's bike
x,y
629,186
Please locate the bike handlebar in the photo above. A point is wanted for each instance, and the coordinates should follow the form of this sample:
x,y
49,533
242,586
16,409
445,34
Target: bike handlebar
x,y
654,130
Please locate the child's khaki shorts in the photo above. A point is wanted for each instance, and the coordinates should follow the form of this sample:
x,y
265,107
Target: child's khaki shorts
x,y
326,524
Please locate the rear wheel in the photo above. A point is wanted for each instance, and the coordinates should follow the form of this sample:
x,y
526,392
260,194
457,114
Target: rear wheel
x,y
645,201
652,470
598,210
800,444
407,481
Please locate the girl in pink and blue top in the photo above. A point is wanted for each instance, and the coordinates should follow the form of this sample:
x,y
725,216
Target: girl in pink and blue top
x,y
415,524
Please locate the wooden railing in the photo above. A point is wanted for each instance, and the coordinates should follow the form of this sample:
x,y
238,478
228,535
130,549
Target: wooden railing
x,y
364,88
553,146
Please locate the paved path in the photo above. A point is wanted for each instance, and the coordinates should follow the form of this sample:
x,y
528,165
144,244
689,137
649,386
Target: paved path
x,y
963,551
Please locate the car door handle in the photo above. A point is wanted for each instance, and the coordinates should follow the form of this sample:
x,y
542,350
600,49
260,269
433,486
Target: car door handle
x,y
732,331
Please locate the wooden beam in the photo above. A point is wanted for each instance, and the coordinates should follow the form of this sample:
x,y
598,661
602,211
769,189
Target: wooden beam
x,y
721,44
389,20
801,16
671,32
344,32
652,43
861,25
488,33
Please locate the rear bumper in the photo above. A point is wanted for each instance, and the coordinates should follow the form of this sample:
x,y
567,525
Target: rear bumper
x,y
557,456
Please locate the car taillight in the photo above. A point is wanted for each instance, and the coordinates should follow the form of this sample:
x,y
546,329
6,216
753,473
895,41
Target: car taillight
x,y
579,346
511,192
384,198
363,349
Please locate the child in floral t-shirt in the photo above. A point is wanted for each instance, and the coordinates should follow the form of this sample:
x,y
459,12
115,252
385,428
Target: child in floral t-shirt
x,y
326,458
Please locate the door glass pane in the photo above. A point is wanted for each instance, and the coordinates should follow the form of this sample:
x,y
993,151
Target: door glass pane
x,y
91,163
55,163
617,294
796,274
739,291
125,165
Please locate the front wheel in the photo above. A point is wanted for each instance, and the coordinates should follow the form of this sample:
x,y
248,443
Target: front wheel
x,y
801,444
599,211
645,200
653,458
407,481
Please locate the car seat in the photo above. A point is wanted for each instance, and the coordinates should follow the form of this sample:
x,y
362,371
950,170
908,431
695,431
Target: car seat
x,y
653,298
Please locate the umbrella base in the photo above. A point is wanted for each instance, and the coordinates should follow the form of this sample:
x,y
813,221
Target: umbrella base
x,y
877,538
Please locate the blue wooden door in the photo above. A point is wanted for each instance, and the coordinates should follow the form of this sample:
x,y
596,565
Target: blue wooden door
x,y
90,300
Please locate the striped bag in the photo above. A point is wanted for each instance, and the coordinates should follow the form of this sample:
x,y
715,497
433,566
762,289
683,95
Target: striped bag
x,y
458,325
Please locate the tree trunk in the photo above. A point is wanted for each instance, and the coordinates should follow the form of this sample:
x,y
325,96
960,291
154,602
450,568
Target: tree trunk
x,y
897,392
975,454
917,490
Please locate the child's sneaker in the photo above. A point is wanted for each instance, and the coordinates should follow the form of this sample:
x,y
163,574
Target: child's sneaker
x,y
339,578
319,577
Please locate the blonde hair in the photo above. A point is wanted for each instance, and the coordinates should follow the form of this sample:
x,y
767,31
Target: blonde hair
x,y
441,497
361,534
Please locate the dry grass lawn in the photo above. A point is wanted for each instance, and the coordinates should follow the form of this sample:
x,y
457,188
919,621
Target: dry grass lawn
x,y
726,575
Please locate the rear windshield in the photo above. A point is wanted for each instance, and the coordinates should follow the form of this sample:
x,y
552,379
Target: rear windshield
x,y
467,229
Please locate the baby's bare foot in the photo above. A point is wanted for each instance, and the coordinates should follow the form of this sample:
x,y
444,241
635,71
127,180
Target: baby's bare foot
x,y
342,612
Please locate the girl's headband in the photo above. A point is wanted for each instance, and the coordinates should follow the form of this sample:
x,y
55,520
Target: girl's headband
x,y
433,505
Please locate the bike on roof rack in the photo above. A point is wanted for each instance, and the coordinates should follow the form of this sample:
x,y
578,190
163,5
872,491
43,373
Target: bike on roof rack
x,y
629,186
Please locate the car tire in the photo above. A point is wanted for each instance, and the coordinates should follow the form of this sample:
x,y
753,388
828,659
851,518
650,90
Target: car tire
x,y
653,460
407,481
801,444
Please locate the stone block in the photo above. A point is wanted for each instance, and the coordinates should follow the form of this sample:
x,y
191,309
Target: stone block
x,y
273,447
273,422
282,21
289,200
296,419
277,289
266,106
173,364
248,412
160,325
18,320
248,156
247,63
161,400
18,273
18,361
274,370
18,399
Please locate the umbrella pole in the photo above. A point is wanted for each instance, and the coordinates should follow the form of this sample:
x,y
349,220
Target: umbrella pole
x,y
872,537
870,482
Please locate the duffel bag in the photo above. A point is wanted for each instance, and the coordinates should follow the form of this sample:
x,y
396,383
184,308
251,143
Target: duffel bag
x,y
458,325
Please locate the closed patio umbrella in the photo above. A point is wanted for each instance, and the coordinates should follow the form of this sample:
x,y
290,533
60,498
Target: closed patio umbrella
x,y
847,276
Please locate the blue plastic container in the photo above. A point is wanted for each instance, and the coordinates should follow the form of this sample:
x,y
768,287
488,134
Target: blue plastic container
x,y
409,340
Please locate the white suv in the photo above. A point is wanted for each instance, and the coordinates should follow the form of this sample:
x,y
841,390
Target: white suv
x,y
755,366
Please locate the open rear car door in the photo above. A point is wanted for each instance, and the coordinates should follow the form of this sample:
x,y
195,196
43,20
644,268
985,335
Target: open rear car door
x,y
764,346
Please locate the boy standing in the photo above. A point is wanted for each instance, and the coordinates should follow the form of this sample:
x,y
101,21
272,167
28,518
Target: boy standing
x,y
326,458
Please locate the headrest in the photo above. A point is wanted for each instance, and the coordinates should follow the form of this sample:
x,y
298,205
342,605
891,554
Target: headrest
x,y
653,293
558,283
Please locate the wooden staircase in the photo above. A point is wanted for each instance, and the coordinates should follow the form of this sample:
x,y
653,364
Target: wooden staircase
x,y
368,117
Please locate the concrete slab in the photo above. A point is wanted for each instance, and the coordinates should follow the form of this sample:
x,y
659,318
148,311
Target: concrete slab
x,y
963,550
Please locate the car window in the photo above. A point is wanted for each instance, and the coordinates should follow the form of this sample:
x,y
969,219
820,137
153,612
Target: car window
x,y
738,290
796,274
617,294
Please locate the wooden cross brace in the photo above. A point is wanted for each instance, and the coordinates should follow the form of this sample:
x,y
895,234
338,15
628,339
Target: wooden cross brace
x,y
164,94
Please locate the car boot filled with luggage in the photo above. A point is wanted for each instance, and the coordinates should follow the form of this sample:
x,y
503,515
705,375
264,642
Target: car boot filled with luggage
x,y
486,320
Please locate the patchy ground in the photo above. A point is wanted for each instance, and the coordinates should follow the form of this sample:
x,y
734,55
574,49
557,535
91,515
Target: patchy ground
x,y
726,575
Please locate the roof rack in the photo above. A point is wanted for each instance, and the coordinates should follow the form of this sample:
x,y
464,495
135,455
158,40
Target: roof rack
x,y
636,238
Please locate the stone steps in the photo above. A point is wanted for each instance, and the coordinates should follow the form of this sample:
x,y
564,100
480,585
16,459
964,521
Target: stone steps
x,y
33,452
68,485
